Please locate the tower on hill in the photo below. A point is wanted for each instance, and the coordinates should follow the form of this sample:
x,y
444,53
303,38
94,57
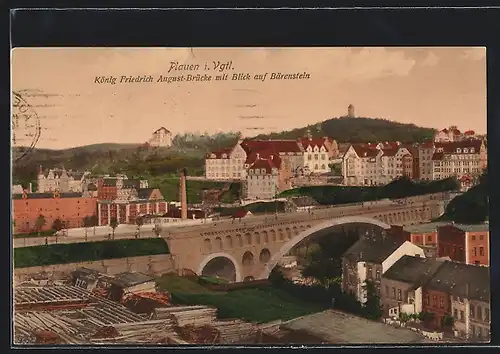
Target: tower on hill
x,y
350,111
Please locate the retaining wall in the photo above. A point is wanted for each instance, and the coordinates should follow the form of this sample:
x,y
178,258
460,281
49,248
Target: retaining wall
x,y
154,265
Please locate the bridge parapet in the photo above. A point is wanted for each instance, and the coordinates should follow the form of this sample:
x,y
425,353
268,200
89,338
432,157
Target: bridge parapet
x,y
255,240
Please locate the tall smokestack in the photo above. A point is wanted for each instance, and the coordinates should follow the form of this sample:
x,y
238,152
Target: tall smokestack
x,y
183,195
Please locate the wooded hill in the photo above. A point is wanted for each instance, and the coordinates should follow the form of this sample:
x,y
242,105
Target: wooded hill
x,y
359,130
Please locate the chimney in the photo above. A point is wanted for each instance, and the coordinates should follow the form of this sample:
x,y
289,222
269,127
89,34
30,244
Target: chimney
x,y
272,157
30,188
182,194
258,156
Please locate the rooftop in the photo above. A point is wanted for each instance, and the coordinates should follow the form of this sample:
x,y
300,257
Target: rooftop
x,y
373,249
130,279
413,270
473,227
464,280
424,228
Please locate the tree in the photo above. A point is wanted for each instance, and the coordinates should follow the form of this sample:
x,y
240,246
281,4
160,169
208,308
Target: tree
x,y
114,224
57,225
372,306
139,222
40,223
94,221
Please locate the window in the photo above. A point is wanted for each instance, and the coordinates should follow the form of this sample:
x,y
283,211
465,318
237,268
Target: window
x,y
427,299
434,301
455,314
481,251
386,290
474,253
462,316
441,302
481,237
400,297
473,237
487,315
479,313
377,274
429,238
472,312
393,293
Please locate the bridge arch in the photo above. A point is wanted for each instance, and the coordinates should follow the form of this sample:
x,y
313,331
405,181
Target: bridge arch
x,y
227,256
308,232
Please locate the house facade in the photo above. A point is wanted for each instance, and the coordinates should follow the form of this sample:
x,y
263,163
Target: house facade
x,y
263,178
69,208
461,158
145,201
402,284
369,258
465,243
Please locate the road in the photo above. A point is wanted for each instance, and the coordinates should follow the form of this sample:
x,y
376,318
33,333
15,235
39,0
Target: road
x,y
250,221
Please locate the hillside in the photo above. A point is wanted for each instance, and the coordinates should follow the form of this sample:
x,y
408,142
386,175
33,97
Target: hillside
x,y
357,130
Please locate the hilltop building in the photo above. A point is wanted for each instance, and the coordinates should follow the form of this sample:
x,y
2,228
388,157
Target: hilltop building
x,y
161,138
350,111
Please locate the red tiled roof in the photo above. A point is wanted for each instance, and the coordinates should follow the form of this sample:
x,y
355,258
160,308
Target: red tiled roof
x,y
451,147
389,152
275,146
267,164
312,142
218,154
363,150
470,132
466,178
391,144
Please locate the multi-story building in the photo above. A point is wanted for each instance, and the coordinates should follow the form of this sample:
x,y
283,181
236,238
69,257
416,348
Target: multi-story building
x,y
226,164
375,164
161,138
402,284
425,152
465,243
60,179
461,158
456,290
423,235
120,186
69,208
318,153
145,201
263,177
369,258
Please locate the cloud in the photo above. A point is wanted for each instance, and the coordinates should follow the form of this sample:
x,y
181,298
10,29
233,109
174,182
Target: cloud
x,y
478,53
430,60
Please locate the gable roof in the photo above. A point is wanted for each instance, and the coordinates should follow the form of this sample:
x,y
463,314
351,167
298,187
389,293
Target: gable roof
x,y
267,164
220,153
373,249
463,280
160,129
145,193
312,142
413,270
364,150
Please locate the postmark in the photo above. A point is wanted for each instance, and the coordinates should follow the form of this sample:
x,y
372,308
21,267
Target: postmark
x,y
26,128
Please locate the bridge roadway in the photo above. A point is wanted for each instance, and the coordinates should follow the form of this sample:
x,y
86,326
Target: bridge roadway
x,y
222,224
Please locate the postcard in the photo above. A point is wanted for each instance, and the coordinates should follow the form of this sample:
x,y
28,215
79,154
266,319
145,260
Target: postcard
x,y
212,196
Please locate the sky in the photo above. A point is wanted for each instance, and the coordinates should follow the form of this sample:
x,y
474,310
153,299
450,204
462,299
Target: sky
x,y
430,87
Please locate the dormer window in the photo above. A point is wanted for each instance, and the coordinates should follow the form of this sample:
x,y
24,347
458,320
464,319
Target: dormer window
x,y
466,151
224,156
316,149
472,150
263,171
459,150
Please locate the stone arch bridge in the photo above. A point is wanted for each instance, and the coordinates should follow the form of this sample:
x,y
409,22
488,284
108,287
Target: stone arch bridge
x,y
250,248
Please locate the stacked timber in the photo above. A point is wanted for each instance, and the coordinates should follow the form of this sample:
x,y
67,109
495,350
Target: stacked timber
x,y
147,332
235,330
188,315
199,335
